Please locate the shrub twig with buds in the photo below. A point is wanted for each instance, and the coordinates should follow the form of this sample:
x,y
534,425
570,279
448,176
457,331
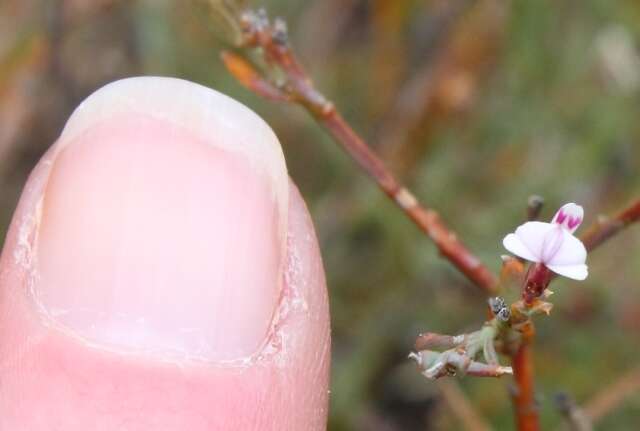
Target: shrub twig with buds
x,y
265,64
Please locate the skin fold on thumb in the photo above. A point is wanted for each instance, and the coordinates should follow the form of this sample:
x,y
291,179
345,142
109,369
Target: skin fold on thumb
x,y
161,272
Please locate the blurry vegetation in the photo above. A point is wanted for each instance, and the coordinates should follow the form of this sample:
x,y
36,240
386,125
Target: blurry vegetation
x,y
477,104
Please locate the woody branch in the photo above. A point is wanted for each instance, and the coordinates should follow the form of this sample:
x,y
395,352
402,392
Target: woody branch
x,y
296,87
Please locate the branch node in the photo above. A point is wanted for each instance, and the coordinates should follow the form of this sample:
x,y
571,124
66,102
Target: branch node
x,y
406,199
280,33
534,207
328,108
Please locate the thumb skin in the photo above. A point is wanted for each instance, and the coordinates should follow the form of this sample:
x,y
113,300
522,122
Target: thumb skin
x,y
162,273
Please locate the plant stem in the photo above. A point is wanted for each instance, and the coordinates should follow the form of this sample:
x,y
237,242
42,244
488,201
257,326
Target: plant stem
x,y
259,32
606,227
524,395
298,88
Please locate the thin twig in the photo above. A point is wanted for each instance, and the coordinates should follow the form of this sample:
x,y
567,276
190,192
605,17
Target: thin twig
x,y
436,365
297,87
606,227
576,418
460,406
603,403
431,341
613,395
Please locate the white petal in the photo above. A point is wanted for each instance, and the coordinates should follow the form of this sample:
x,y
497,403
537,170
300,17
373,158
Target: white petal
x,y
571,252
552,243
576,272
533,234
512,243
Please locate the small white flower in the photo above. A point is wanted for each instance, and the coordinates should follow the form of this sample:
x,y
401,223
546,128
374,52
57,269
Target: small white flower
x,y
552,244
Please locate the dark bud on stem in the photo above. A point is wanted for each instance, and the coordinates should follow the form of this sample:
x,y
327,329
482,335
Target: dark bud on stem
x,y
497,304
500,309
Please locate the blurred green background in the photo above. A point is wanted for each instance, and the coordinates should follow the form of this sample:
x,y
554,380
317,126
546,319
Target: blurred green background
x,y
475,104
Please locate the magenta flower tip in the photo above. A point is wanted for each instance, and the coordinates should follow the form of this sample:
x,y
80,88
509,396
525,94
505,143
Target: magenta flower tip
x,y
569,216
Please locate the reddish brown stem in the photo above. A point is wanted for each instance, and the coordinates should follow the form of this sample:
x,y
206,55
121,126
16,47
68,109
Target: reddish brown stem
x,y
248,76
605,228
298,88
526,411
524,394
426,219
